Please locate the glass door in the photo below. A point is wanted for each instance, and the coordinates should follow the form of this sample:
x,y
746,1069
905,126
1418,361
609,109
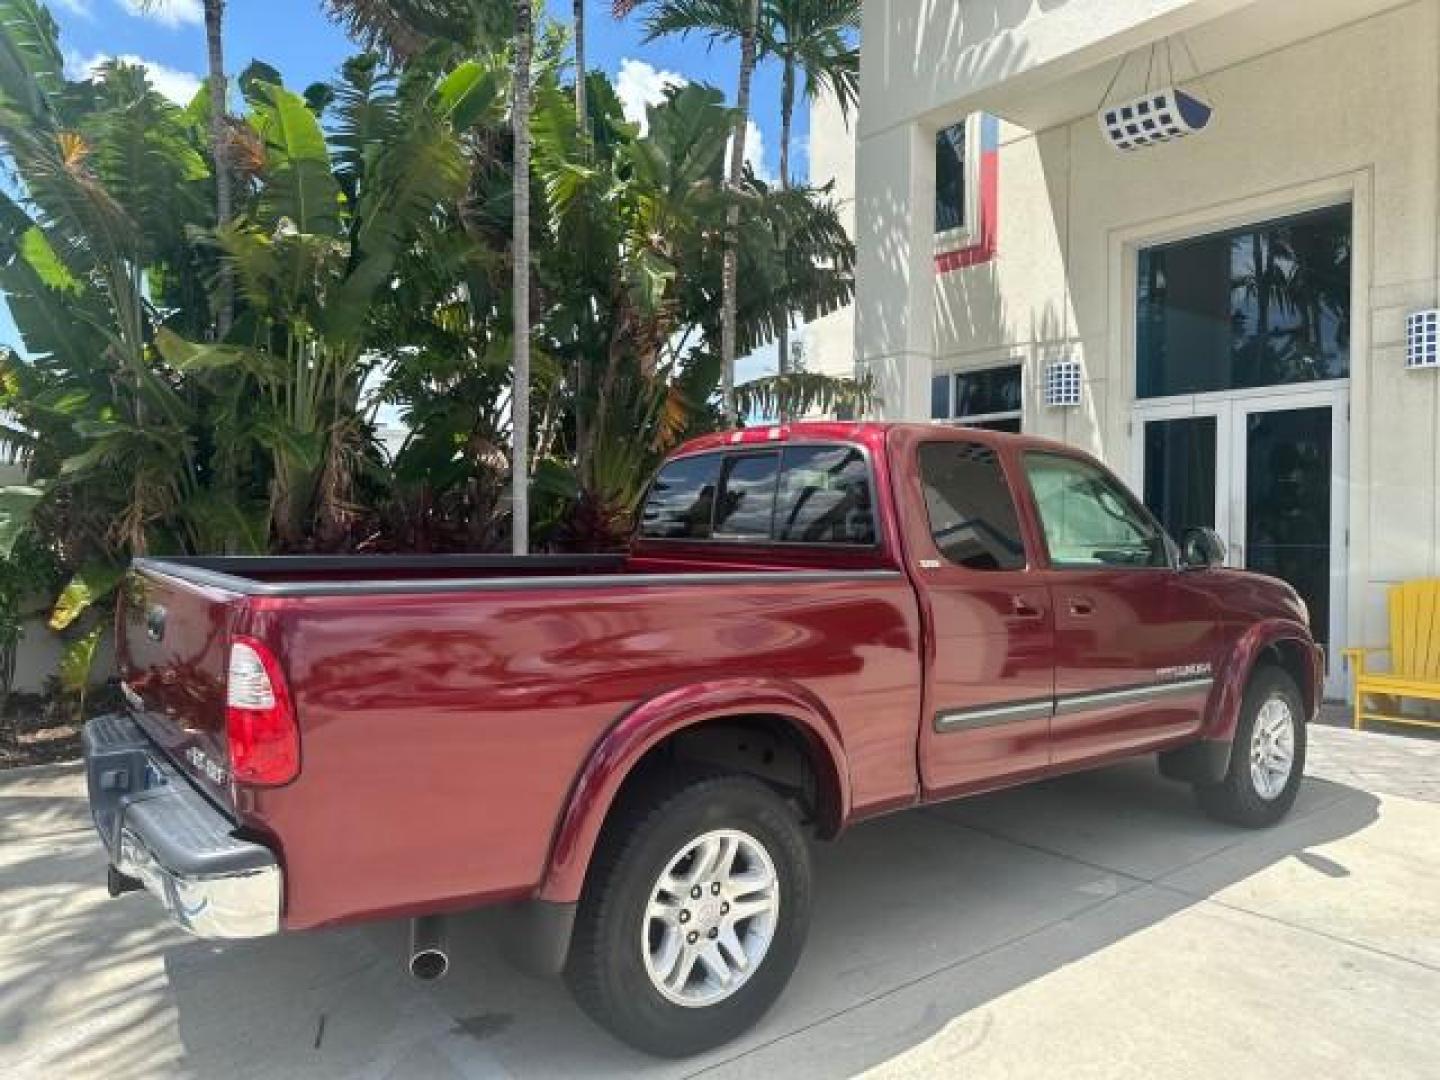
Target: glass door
x,y
1288,509
1182,464
1266,471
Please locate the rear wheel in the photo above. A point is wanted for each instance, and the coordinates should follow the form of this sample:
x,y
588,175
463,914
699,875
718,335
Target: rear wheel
x,y
1267,757
693,916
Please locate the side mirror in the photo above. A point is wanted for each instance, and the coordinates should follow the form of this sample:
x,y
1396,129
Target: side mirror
x,y
1201,548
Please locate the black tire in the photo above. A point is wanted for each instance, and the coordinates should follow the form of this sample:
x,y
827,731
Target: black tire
x,y
606,969
1237,800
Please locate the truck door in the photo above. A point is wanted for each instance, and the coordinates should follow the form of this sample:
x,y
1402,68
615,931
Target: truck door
x,y
1134,645
989,670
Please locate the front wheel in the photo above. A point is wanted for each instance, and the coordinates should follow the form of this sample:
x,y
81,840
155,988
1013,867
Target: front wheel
x,y
1267,757
693,916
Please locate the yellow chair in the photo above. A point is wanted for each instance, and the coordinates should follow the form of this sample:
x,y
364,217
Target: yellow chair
x,y
1414,656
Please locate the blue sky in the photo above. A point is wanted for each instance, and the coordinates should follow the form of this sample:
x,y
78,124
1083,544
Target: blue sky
x,y
293,36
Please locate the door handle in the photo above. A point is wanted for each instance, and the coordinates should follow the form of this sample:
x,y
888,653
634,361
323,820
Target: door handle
x,y
1023,608
1081,605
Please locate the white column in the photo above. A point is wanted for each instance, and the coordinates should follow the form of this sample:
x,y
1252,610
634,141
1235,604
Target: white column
x,y
895,271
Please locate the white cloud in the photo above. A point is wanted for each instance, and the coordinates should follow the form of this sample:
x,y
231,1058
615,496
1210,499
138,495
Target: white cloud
x,y
179,86
167,12
75,7
755,150
640,85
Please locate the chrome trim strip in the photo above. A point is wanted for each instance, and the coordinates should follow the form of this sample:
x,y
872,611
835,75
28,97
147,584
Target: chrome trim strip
x,y
1012,712
992,715
1071,703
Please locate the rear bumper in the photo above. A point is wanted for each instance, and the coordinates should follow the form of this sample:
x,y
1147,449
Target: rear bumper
x,y
161,831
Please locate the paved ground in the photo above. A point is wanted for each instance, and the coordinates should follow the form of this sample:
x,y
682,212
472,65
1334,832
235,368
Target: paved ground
x,y
1092,926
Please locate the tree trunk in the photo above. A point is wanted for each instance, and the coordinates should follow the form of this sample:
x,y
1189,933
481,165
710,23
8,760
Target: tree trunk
x,y
582,126
787,117
214,20
732,217
582,119
520,387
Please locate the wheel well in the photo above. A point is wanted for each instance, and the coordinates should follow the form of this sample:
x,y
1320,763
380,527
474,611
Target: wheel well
x,y
774,749
1289,656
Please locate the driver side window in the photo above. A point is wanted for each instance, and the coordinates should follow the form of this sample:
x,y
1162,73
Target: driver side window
x,y
1089,519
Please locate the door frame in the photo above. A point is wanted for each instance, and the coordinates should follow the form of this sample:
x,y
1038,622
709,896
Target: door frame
x,y
1230,408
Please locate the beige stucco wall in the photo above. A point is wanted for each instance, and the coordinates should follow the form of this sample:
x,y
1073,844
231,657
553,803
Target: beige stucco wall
x,y
1353,113
921,51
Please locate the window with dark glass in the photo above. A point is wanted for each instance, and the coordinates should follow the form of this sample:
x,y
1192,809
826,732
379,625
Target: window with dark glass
x,y
824,497
1262,305
816,495
950,178
682,499
746,501
1180,458
972,513
1089,519
988,398
940,386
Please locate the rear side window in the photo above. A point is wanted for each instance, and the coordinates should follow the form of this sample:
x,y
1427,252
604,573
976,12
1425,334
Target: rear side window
x,y
798,495
825,497
972,512
682,500
746,505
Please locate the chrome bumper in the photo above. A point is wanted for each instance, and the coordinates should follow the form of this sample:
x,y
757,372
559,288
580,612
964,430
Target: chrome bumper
x,y
161,831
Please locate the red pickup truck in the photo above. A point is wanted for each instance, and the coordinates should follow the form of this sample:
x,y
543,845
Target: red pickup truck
x,y
815,624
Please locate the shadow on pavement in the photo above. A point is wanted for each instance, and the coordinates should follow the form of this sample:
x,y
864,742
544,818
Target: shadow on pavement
x,y
958,905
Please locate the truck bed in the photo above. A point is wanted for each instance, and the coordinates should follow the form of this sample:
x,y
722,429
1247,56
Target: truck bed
x,y
447,704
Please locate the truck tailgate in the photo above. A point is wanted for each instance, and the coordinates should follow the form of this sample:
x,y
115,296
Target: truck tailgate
x,y
172,649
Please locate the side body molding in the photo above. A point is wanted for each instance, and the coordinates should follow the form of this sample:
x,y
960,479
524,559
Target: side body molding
x,y
640,729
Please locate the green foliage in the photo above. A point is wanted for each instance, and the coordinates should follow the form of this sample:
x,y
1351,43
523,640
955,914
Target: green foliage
x,y
89,585
370,255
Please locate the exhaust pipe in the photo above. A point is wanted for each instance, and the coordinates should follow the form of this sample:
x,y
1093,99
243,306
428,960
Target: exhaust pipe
x,y
428,958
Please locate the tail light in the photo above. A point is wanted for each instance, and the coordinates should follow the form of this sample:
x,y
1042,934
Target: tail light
x,y
259,717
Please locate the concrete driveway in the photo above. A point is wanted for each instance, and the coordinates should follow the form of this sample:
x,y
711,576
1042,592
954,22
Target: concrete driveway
x,y
1091,926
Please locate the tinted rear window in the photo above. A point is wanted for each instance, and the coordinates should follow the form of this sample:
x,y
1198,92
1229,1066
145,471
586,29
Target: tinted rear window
x,y
972,513
825,497
803,494
682,499
747,497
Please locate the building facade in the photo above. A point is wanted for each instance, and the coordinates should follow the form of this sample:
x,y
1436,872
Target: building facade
x,y
1221,317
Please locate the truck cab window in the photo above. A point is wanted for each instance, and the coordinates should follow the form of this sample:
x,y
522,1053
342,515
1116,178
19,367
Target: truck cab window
x,y
745,506
972,514
682,500
825,497
1088,518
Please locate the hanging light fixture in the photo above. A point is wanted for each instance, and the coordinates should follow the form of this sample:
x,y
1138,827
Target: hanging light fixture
x,y
1162,113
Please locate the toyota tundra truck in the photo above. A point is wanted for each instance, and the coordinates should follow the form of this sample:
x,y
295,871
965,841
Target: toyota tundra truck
x,y
632,754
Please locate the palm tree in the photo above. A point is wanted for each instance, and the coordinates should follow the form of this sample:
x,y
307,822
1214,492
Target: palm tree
x,y
580,112
813,40
217,83
215,51
520,392
719,20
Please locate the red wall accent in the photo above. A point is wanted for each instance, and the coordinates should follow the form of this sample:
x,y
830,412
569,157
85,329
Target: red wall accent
x,y
983,250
